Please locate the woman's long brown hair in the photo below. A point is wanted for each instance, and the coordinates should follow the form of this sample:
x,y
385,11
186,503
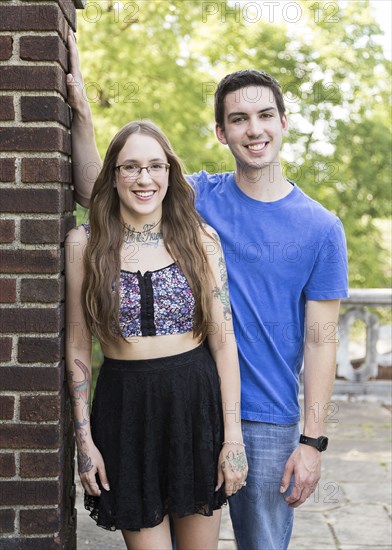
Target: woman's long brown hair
x,y
180,230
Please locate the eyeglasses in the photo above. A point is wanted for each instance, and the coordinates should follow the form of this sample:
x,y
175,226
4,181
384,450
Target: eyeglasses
x,y
132,171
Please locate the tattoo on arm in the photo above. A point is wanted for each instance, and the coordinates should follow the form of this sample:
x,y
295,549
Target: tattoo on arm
x,y
80,395
81,389
223,292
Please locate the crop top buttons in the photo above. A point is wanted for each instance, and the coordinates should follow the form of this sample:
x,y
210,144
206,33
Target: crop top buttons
x,y
156,303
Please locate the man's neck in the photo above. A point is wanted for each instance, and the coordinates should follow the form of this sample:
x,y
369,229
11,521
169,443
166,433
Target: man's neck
x,y
266,184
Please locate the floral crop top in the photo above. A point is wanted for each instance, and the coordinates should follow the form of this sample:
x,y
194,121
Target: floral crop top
x,y
154,304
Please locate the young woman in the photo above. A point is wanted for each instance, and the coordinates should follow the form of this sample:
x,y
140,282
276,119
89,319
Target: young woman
x,y
148,279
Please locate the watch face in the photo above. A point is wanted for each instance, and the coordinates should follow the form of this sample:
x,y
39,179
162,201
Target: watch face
x,y
323,443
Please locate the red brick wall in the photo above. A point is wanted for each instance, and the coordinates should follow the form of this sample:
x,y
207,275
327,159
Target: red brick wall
x,y
36,203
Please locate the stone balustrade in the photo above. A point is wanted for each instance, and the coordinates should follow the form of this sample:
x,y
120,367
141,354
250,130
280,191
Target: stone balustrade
x,y
364,304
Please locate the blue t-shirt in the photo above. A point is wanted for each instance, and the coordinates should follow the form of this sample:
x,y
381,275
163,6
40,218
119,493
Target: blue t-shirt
x,y
279,254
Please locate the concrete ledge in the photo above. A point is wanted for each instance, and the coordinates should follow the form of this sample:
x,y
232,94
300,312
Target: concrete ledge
x,y
377,389
369,296
371,390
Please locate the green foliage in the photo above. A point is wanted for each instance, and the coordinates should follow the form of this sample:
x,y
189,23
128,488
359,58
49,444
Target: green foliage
x,y
162,60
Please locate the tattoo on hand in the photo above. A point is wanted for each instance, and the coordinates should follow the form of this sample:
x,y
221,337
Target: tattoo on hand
x,y
84,462
237,462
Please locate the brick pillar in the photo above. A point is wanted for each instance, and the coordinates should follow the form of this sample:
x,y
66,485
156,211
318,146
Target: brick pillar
x,y
36,204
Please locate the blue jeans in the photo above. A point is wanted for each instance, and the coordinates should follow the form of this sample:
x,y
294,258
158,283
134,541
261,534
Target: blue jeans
x,y
261,518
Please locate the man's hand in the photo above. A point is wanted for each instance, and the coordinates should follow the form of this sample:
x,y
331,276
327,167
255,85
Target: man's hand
x,y
305,464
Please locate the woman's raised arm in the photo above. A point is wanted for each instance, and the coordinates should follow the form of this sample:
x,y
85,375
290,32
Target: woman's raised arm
x,y
86,162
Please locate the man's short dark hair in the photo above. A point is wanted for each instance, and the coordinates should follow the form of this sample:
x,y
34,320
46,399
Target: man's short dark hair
x,y
241,79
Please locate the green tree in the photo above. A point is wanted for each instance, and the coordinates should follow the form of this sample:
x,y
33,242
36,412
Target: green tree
x,y
162,60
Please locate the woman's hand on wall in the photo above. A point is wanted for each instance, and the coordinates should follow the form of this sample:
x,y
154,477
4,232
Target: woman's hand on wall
x,y
75,84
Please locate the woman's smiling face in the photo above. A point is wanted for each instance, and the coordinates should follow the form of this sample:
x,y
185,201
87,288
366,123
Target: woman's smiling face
x,y
141,196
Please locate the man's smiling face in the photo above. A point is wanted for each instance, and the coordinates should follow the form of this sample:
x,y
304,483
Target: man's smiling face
x,y
253,128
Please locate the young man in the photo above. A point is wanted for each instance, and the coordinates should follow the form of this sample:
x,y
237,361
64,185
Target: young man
x,y
287,267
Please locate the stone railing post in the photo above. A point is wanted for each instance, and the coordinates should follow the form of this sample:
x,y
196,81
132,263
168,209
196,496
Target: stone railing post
x,y
358,308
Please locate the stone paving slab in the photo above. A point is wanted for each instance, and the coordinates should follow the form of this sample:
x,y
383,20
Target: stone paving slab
x,y
226,536
308,530
363,492
351,509
91,537
365,524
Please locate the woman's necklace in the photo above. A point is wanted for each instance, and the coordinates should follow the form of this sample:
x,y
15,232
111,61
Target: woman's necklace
x,y
146,237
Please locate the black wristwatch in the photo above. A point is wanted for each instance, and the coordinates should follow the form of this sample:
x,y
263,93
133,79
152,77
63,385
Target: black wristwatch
x,y
319,443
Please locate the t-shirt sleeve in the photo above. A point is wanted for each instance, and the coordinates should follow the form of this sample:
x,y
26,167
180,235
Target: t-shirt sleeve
x,y
329,277
197,180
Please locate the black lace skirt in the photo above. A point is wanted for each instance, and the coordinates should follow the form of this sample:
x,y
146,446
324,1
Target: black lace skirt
x,y
158,424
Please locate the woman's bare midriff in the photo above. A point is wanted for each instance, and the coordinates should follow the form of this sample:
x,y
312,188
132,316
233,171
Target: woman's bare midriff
x,y
150,347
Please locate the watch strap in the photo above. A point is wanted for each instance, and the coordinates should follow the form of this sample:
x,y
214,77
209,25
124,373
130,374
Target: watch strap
x,y
312,441
319,443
